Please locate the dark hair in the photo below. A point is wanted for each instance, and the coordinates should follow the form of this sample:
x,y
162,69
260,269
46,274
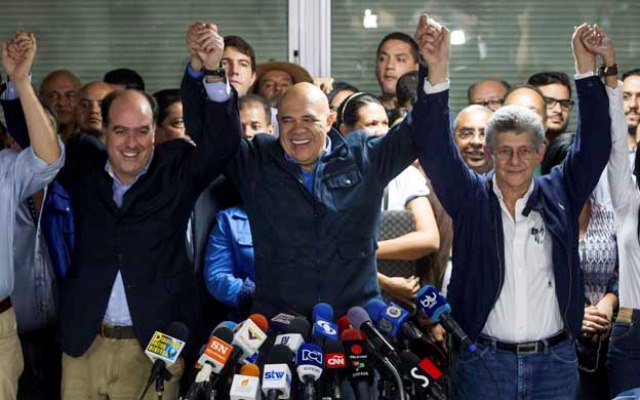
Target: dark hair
x,y
340,87
242,46
407,89
505,85
403,37
632,72
4,136
348,110
549,78
129,78
108,100
165,98
255,99
557,152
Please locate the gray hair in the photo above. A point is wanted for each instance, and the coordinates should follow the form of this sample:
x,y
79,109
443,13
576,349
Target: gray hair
x,y
516,119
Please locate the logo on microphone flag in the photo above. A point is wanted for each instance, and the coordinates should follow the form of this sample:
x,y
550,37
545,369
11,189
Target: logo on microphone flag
x,y
164,347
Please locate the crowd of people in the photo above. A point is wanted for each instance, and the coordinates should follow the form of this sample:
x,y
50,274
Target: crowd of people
x,y
259,189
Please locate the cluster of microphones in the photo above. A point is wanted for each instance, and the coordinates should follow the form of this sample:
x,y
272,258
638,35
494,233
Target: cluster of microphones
x,y
369,350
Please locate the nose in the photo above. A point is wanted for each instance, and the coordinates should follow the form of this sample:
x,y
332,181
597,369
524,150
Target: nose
x,y
557,107
477,139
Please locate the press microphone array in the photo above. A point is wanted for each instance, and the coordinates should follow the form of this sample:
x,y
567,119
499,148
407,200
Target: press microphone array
x,y
370,350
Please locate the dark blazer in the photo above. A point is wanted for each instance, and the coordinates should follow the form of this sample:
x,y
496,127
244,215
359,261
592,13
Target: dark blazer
x,y
478,238
318,247
144,239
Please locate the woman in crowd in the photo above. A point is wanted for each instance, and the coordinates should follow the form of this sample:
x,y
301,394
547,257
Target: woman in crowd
x,y
408,191
599,261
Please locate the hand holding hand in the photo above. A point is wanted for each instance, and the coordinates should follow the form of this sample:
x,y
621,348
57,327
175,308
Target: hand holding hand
x,y
18,55
211,46
434,43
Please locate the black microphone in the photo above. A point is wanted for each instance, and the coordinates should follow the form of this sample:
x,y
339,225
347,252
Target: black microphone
x,y
335,364
424,375
361,320
359,370
164,349
438,309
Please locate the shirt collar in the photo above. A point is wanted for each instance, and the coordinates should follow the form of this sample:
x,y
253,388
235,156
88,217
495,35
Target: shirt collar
x,y
109,169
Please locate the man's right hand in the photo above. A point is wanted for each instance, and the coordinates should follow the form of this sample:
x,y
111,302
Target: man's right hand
x,y
434,43
210,46
18,55
192,45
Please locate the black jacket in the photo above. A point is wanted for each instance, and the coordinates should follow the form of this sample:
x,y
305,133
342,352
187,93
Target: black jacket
x,y
145,239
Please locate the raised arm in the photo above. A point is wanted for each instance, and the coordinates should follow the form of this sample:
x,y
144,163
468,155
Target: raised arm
x,y
17,59
452,180
592,145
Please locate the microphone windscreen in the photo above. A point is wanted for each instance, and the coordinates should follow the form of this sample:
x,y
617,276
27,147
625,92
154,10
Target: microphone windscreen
x,y
261,321
299,325
322,310
358,316
374,308
280,354
343,324
223,333
178,330
333,346
351,334
229,324
250,369
408,361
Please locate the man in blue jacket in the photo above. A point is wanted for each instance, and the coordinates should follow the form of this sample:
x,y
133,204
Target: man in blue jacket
x,y
516,287
313,197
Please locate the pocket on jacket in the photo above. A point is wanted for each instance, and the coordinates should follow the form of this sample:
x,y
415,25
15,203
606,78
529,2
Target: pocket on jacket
x,y
343,180
244,240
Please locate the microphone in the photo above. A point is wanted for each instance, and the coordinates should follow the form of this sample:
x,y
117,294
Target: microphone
x,y
393,320
359,372
276,377
296,333
361,320
323,328
343,324
218,350
423,374
309,365
246,384
164,349
438,310
280,322
335,363
250,335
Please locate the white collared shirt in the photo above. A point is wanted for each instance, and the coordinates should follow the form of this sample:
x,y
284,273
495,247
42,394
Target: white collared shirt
x,y
527,307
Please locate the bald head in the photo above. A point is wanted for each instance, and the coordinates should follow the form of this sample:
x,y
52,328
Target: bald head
x,y
469,136
304,119
59,92
529,97
88,111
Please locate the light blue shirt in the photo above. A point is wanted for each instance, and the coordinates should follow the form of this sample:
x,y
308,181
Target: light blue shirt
x,y
21,175
117,312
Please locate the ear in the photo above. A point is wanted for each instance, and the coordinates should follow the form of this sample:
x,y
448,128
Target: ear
x,y
253,80
331,118
541,151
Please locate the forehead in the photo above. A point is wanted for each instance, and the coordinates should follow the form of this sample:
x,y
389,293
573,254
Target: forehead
x,y
96,91
372,111
253,111
234,54
473,119
276,75
513,140
555,90
631,84
525,97
60,83
488,89
130,109
395,47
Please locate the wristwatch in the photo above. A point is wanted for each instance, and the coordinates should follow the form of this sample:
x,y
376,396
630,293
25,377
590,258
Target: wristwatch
x,y
608,71
218,72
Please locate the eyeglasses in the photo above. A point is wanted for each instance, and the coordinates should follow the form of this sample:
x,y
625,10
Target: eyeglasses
x,y
491,103
566,104
526,153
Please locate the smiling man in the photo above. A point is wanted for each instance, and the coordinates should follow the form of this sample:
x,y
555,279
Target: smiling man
x,y
557,95
516,286
312,196
631,102
469,134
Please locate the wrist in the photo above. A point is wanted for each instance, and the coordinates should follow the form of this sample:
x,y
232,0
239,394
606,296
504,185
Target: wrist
x,y
437,75
20,82
196,64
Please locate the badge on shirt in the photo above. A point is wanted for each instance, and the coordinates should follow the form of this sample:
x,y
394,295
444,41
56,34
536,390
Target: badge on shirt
x,y
538,234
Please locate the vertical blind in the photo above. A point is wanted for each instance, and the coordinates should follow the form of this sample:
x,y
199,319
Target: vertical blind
x,y
91,37
510,39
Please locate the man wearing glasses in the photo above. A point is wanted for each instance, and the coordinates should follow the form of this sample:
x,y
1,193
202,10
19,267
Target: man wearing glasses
x,y
516,286
557,93
488,92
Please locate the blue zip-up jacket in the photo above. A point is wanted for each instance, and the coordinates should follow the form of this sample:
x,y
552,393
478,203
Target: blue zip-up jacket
x,y
478,247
